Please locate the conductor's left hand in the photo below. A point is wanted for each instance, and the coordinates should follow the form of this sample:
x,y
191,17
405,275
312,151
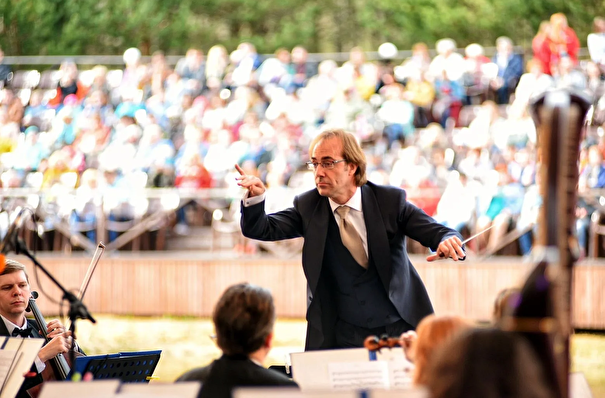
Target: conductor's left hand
x,y
450,247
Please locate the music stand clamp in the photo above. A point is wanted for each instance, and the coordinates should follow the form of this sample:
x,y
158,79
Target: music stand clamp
x,y
128,367
77,309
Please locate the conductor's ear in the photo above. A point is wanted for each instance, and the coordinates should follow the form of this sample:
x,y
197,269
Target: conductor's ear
x,y
352,168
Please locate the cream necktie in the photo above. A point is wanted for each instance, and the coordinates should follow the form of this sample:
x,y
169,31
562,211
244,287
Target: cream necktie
x,y
350,238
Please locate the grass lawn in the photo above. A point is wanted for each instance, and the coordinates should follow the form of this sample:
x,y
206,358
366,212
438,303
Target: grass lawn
x,y
186,343
588,356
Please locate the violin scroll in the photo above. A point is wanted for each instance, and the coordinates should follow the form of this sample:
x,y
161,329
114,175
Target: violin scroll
x,y
375,343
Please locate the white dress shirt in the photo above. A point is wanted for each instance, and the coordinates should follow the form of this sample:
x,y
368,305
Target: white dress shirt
x,y
251,201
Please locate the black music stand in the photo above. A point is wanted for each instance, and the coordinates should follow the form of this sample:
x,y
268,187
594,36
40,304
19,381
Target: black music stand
x,y
128,367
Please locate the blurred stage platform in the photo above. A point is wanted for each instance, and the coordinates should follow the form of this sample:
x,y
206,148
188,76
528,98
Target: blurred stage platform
x,y
188,283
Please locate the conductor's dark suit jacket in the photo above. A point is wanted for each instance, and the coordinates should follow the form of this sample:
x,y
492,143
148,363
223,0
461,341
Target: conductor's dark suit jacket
x,y
29,382
389,219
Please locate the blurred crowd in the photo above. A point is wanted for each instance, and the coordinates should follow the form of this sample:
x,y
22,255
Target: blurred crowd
x,y
453,129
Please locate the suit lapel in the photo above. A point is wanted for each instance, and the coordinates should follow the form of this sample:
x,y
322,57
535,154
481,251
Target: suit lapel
x,y
3,329
315,242
378,243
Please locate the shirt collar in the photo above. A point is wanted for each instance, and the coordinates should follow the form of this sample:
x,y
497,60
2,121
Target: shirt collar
x,y
354,203
11,326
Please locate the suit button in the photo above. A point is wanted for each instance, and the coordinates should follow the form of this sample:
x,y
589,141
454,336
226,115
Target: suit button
x,y
362,302
310,298
370,319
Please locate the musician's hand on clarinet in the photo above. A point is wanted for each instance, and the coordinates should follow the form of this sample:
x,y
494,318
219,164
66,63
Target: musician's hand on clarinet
x,y
253,184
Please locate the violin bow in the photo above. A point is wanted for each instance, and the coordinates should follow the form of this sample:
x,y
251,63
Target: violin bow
x,y
91,269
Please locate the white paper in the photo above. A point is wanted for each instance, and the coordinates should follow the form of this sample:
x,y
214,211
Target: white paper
x,y
267,392
400,369
390,354
331,394
411,393
310,368
579,387
164,390
400,374
26,353
6,361
277,392
358,375
89,389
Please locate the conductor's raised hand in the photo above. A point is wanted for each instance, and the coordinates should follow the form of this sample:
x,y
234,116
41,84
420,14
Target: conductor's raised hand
x,y
450,247
253,184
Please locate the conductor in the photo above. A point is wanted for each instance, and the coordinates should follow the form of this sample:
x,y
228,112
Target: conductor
x,y
360,280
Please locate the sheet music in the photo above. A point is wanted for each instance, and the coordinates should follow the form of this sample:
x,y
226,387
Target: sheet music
x,y
25,352
400,369
358,375
419,392
164,390
310,368
89,389
400,374
279,392
6,361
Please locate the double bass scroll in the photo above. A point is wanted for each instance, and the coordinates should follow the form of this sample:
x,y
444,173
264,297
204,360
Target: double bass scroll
x,y
559,117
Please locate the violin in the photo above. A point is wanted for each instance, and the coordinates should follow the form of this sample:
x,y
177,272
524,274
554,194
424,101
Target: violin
x,y
375,343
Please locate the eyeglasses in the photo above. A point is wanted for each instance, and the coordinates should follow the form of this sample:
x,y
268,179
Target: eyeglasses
x,y
326,164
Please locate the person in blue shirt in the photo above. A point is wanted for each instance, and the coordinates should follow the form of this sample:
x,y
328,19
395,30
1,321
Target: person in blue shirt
x,y
510,69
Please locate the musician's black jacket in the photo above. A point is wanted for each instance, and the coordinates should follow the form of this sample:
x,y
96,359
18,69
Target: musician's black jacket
x,y
29,382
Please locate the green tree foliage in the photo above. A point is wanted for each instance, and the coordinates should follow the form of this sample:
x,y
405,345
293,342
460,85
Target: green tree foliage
x,y
69,27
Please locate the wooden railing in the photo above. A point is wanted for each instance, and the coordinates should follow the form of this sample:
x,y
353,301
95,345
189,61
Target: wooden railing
x,y
189,284
164,202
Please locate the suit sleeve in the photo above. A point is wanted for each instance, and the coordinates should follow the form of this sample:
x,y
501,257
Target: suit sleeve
x,y
516,70
285,224
423,228
30,382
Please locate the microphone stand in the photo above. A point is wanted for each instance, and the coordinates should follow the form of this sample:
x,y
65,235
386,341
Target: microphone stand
x,y
77,309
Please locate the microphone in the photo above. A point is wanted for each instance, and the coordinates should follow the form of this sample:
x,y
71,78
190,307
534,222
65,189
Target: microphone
x,y
8,242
